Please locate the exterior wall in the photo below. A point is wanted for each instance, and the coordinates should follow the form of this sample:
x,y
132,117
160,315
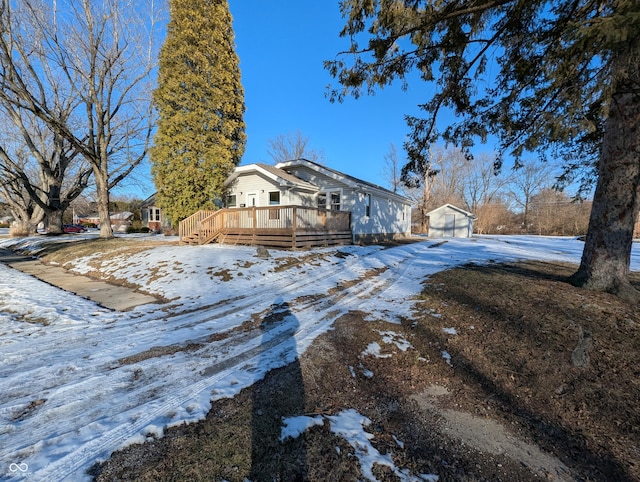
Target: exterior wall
x,y
253,185
152,218
446,222
388,218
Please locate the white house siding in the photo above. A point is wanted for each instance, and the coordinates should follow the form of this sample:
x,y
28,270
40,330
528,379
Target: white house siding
x,y
256,185
388,218
326,185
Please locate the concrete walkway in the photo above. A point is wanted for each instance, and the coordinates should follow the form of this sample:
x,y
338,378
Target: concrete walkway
x,y
119,298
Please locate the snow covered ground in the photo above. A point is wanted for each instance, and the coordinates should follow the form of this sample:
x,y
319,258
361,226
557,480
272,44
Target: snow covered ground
x,y
74,387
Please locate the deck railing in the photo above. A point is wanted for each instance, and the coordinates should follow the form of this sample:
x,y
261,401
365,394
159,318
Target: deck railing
x,y
192,224
261,220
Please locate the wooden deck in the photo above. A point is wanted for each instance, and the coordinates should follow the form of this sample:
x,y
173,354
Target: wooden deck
x,y
273,226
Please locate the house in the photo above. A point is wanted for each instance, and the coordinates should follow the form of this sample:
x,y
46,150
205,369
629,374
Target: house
x,y
449,221
151,215
376,214
119,221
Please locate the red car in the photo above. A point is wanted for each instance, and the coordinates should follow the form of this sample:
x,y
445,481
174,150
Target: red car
x,y
74,228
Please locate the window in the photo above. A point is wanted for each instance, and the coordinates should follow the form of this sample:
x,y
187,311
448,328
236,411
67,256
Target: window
x,y
322,200
335,201
231,201
274,198
367,205
157,214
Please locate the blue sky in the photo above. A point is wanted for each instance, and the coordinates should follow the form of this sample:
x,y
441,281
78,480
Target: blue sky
x,y
281,45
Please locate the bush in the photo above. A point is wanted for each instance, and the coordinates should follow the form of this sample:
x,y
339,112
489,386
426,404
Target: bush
x,y
17,231
4,225
137,229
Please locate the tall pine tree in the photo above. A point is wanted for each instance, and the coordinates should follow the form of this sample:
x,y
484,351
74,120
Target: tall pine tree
x,y
200,101
561,77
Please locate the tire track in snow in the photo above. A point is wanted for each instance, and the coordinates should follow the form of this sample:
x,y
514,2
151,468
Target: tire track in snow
x,y
317,315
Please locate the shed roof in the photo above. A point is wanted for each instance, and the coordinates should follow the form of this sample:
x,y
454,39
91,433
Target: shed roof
x,y
455,208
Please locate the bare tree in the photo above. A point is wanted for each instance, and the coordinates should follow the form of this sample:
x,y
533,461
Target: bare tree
x,y
493,217
554,213
291,146
392,169
449,184
483,184
50,172
25,211
100,53
527,180
418,178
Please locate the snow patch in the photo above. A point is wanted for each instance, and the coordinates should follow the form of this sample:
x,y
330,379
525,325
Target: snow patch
x,y
350,425
69,351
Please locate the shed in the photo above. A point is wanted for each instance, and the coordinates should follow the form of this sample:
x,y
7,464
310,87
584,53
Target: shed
x,y
449,221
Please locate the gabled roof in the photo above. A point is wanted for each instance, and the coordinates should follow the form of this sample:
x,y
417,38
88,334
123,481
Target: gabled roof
x,y
350,181
283,178
150,201
455,208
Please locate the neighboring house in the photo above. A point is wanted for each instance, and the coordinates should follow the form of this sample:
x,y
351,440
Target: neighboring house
x,y
151,215
377,214
449,221
119,221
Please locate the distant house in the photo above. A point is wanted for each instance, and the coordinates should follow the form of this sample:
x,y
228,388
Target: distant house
x,y
151,215
119,221
449,221
376,213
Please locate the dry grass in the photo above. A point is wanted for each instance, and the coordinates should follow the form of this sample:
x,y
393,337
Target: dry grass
x,y
511,370
102,249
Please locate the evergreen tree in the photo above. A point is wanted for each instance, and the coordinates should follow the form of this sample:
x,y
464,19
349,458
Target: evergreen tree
x,y
539,74
200,101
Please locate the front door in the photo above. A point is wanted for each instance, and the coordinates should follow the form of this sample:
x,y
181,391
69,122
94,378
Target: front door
x,y
252,200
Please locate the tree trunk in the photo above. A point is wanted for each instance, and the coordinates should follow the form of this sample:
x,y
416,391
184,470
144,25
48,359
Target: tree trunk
x,y
54,221
54,210
102,194
26,221
607,250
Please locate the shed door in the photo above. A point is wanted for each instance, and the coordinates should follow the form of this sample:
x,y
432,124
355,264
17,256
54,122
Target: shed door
x,y
449,225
